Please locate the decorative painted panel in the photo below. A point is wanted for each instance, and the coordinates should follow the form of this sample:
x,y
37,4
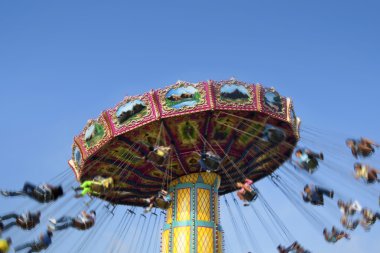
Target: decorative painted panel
x,y
132,112
95,134
183,98
234,95
274,104
77,155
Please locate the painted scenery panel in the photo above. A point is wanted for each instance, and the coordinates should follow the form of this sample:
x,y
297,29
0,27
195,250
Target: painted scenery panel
x,y
293,117
77,156
234,92
182,97
273,101
131,111
234,95
94,133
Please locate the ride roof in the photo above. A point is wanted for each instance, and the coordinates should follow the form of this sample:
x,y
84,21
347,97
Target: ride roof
x,y
229,118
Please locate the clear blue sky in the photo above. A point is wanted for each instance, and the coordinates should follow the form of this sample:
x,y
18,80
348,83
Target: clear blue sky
x,y
63,62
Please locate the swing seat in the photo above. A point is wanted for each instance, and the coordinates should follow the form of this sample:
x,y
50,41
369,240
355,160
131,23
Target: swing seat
x,y
156,159
312,164
250,195
38,247
318,203
212,164
80,225
365,153
162,204
26,225
102,185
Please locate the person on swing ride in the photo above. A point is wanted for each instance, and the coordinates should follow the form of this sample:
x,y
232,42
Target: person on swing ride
x,y
308,160
95,187
366,172
314,194
349,208
299,249
348,223
5,245
209,161
282,249
245,192
273,135
43,242
25,221
335,235
158,154
162,200
369,218
362,147
294,247
43,193
81,222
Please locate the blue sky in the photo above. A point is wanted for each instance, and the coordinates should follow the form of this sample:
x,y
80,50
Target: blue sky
x,y
63,62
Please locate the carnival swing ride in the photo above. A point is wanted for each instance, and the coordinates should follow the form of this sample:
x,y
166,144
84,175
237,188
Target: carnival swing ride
x,y
168,156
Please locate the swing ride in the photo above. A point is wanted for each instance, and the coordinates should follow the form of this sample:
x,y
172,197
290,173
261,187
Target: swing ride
x,y
176,152
188,120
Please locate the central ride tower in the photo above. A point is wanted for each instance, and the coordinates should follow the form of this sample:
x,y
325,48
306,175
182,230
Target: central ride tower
x,y
192,221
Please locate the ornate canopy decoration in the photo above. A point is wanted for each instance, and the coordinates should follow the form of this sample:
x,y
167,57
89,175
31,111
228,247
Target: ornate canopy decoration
x,y
229,117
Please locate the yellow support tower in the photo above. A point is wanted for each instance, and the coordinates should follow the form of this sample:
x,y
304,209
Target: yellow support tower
x,y
192,221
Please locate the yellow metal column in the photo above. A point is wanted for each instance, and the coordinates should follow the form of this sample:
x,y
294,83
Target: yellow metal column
x,y
192,220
